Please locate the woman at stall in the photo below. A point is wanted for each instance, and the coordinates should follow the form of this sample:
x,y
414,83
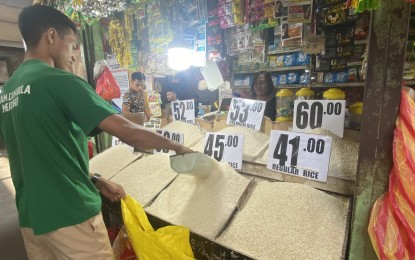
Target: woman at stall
x,y
262,89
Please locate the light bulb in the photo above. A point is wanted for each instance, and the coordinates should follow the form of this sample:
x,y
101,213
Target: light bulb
x,y
179,59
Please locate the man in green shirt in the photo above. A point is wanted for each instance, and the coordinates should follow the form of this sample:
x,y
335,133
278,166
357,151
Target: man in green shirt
x,y
46,115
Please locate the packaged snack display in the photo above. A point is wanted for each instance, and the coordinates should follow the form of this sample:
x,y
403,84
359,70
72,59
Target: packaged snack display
x,y
341,77
302,59
290,59
293,78
352,74
329,77
304,78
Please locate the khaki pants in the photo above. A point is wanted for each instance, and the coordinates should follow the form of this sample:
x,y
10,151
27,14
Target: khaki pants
x,y
88,240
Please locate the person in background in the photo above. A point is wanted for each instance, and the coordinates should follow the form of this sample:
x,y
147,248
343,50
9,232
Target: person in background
x,y
196,99
133,99
263,89
171,97
46,117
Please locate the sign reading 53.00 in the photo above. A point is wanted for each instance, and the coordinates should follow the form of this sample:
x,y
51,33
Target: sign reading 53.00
x,y
298,154
225,147
246,112
183,110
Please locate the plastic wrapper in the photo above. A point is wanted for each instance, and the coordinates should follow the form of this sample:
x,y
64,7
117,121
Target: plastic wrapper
x,y
352,74
334,15
304,78
290,59
282,79
329,77
273,63
302,59
293,78
392,220
341,77
344,51
338,64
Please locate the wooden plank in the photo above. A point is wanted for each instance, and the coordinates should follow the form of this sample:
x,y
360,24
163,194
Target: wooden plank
x,y
336,184
387,43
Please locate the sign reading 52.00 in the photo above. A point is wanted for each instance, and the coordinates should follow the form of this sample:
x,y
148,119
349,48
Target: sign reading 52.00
x,y
225,148
183,110
246,112
177,137
298,154
326,114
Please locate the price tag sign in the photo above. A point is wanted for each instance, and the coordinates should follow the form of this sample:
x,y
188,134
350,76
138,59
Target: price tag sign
x,y
177,137
246,112
116,141
325,114
225,148
183,110
298,154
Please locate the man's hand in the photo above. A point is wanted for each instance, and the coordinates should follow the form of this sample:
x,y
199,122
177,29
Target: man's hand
x,y
182,150
111,190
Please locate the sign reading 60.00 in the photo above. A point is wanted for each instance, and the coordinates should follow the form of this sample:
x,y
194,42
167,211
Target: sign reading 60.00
x,y
246,112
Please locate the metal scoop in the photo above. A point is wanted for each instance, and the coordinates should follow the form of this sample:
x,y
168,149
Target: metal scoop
x,y
196,164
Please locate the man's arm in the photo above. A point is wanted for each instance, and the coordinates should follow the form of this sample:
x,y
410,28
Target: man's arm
x,y
137,136
111,190
125,109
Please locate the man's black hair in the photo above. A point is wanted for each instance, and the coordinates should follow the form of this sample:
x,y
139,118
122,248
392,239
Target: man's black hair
x,y
37,19
138,76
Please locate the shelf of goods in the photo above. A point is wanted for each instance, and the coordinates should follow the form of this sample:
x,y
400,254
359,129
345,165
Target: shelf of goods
x,y
273,69
322,85
268,204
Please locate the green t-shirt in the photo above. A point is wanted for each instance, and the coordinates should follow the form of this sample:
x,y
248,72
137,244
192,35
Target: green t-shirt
x,y
46,115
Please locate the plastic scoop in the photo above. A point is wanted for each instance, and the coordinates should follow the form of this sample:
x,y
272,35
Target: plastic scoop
x,y
196,164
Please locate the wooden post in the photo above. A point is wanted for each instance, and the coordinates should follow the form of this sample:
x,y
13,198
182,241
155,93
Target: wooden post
x,y
387,46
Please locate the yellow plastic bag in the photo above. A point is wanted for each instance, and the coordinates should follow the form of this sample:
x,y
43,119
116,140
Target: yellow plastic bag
x,y
171,242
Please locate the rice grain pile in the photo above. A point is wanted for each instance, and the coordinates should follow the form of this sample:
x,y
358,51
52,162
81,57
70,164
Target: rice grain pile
x,y
255,142
289,221
113,160
344,155
192,133
146,178
202,204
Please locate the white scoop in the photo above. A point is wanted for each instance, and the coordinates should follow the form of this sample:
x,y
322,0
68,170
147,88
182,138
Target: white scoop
x,y
196,164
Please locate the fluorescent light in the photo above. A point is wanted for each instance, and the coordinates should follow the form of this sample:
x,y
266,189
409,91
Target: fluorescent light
x,y
179,59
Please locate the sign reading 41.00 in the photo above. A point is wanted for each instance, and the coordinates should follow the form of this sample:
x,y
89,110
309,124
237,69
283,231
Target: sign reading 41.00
x,y
225,147
183,110
177,137
325,114
298,154
246,112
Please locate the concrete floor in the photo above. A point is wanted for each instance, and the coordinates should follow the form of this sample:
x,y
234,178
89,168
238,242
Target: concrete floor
x,y
11,242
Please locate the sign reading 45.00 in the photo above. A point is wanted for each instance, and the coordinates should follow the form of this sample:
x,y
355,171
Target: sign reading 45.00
x,y
246,112
225,148
325,114
298,154
183,110
177,137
